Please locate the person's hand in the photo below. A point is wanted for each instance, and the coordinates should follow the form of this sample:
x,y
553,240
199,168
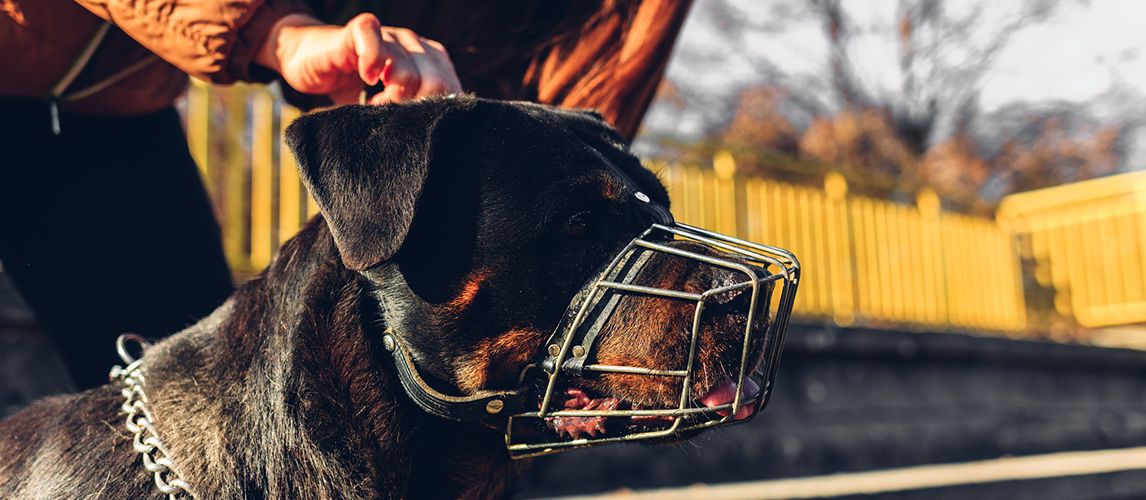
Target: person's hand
x,y
316,58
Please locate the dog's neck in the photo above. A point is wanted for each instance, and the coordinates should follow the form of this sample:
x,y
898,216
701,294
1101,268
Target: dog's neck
x,y
298,391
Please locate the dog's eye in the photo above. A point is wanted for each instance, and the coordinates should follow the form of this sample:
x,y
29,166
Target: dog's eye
x,y
576,225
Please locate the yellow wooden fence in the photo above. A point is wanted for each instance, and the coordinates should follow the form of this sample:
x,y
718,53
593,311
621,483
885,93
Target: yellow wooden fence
x,y
235,135
865,260
1087,241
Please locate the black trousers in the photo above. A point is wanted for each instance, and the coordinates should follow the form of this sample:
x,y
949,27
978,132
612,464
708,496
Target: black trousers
x,y
105,229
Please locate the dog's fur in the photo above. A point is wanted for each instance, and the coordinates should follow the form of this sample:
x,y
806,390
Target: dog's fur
x,y
488,217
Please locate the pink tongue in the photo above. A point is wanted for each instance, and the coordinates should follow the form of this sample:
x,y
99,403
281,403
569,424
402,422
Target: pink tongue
x,y
725,393
575,427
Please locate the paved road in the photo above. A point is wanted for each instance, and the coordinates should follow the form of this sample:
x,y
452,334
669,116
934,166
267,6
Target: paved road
x,y
873,404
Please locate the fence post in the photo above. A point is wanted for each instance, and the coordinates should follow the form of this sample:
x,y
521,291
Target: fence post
x,y
934,280
724,194
235,214
290,186
840,256
262,178
198,126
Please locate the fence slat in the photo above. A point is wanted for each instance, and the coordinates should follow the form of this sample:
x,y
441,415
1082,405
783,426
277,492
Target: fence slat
x,y
262,178
235,229
290,186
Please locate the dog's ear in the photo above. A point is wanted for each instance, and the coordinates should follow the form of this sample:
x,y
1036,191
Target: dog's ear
x,y
365,167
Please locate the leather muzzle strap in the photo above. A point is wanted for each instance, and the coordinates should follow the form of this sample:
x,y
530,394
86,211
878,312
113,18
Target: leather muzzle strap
x,y
476,406
468,408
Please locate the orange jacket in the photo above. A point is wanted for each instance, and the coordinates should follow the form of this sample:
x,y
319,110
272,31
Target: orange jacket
x,y
608,55
210,39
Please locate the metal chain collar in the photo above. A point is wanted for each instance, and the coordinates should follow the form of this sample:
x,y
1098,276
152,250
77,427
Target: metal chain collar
x,y
139,422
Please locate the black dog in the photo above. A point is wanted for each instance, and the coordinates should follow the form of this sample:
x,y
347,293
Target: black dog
x,y
465,224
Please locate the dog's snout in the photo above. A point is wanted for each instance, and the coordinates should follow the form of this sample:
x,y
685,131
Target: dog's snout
x,y
735,298
723,280
732,302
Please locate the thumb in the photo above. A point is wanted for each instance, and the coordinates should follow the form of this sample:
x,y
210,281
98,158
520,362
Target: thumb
x,y
366,37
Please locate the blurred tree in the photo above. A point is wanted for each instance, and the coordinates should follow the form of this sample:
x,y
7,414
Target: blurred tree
x,y
945,49
669,93
894,104
758,124
1054,157
864,138
953,167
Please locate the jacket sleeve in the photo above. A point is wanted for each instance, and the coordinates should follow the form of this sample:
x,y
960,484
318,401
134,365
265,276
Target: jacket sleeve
x,y
614,64
214,40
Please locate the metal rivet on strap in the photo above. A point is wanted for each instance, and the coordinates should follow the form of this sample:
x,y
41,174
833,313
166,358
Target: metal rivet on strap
x,y
494,407
554,350
578,351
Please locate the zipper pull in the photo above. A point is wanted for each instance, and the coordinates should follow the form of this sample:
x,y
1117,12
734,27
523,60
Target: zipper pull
x,y
54,110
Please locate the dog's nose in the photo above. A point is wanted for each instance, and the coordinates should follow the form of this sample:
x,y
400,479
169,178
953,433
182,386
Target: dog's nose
x,y
732,298
737,300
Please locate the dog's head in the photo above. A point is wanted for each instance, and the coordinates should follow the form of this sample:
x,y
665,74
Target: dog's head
x,y
476,222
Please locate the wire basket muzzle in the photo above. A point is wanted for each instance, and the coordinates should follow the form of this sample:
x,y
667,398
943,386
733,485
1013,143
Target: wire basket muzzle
x,y
574,350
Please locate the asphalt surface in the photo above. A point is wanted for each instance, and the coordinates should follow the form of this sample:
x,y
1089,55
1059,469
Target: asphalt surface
x,y
847,401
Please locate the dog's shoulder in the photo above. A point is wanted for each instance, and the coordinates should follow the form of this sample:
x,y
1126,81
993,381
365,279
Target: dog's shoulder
x,y
69,446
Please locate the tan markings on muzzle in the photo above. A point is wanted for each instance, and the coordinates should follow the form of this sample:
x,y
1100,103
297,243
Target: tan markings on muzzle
x,y
648,333
750,344
505,355
470,288
643,336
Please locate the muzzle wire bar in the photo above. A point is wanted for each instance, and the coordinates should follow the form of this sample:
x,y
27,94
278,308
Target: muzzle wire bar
x,y
561,361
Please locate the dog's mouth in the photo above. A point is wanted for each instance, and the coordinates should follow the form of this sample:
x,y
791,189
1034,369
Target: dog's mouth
x,y
631,417
619,404
670,339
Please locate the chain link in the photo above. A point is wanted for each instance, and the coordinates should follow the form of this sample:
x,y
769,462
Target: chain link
x,y
145,440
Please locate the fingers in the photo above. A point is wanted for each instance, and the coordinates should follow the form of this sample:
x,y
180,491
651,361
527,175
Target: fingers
x,y
368,44
438,74
417,67
340,61
400,76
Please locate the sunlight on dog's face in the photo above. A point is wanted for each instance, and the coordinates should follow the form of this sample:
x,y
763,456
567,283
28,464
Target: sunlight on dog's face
x,y
505,212
524,272
656,333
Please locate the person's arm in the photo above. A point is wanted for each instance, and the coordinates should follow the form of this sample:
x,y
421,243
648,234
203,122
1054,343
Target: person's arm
x,y
613,63
214,40
223,41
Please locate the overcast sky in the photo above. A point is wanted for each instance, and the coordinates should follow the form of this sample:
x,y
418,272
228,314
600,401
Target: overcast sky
x,y
1089,54
1076,56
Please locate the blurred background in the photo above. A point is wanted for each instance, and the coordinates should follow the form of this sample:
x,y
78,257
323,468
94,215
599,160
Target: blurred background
x,y
964,184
